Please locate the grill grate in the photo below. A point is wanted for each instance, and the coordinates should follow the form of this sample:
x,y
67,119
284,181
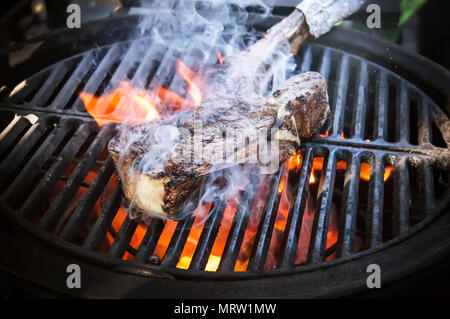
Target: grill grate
x,y
378,120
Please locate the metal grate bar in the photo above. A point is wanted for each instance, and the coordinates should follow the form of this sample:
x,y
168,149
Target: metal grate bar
x,y
265,229
68,90
12,132
131,56
325,65
189,59
403,114
381,104
52,82
374,221
321,218
307,59
123,237
401,197
361,104
38,159
99,74
84,208
440,121
19,152
349,208
428,186
103,222
238,228
424,123
32,84
341,96
154,54
150,240
52,215
42,190
295,218
209,233
126,64
165,69
177,242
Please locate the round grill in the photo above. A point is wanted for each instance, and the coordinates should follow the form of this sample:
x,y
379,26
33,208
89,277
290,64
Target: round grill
x,y
380,165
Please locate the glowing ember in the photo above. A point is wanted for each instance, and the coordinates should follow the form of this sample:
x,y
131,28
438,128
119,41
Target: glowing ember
x,y
194,235
333,232
283,207
317,165
285,190
137,237
282,215
252,227
222,235
342,165
165,238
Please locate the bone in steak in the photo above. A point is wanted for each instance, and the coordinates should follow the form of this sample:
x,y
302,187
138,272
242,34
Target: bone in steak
x,y
157,180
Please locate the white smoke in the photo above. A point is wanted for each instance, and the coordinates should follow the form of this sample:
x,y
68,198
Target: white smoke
x,y
195,32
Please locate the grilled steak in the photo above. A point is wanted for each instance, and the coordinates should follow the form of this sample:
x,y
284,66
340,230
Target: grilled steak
x,y
162,162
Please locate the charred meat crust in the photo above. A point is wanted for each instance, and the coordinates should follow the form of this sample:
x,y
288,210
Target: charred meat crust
x,y
299,108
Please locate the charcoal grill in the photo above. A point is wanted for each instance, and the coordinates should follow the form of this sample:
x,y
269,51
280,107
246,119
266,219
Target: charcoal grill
x,y
389,109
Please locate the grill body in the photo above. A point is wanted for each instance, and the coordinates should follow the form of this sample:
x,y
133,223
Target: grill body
x,y
386,111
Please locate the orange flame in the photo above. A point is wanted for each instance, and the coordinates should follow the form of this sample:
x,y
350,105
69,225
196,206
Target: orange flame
x,y
171,98
165,238
219,57
122,105
281,185
127,104
189,76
